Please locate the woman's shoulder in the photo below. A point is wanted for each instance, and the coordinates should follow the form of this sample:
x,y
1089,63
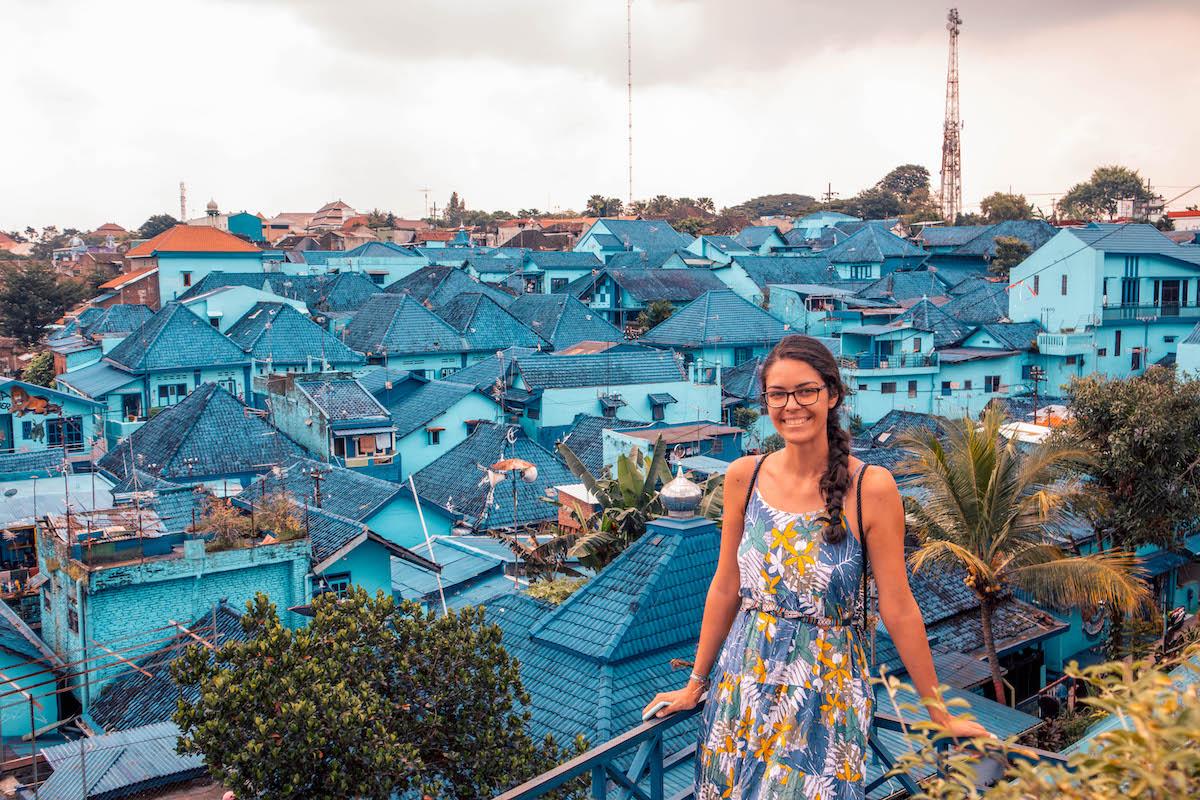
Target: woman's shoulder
x,y
877,482
740,469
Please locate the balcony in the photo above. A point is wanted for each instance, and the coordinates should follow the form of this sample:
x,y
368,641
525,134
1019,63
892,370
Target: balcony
x,y
1064,344
1166,312
895,362
636,765
117,429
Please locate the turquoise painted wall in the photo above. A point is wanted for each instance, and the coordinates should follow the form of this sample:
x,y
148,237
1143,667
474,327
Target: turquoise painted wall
x,y
245,224
560,406
399,522
231,304
172,266
369,566
415,451
31,431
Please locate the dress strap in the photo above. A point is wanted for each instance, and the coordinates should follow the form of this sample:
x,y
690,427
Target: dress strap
x,y
867,626
754,478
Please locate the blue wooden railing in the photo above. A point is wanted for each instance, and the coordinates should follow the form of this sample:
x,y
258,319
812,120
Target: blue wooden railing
x,y
614,775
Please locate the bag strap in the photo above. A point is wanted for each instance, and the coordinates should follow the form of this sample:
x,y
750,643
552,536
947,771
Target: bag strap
x,y
753,478
868,628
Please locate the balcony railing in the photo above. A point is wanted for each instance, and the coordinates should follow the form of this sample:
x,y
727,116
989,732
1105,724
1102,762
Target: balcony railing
x,y
1064,344
611,769
867,361
1132,311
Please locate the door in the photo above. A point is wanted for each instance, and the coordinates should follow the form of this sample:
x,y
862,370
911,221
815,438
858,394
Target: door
x,y
1169,295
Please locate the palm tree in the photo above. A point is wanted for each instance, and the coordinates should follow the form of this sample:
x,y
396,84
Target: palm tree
x,y
1001,513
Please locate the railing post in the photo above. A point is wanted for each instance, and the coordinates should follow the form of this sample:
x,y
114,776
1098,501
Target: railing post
x,y
599,783
656,768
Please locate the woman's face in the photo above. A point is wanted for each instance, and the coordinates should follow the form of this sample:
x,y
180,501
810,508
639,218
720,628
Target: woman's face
x,y
798,424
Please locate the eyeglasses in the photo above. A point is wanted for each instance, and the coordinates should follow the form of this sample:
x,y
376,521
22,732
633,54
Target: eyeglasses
x,y
804,396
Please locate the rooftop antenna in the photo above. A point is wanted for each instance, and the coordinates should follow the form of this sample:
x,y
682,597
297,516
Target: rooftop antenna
x,y
629,86
426,190
182,201
951,192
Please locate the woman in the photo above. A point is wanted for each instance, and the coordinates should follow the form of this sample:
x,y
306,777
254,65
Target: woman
x,y
791,704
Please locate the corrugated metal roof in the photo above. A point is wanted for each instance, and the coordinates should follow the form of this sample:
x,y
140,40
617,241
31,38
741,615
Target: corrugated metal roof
x,y
96,380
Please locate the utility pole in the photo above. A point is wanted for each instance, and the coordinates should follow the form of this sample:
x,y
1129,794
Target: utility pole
x,y
426,190
1037,375
830,194
951,191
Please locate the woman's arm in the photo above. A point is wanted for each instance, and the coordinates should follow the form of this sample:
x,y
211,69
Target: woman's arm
x,y
883,522
722,603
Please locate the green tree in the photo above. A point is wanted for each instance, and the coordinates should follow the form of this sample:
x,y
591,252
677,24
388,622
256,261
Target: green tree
x,y
771,205
655,313
970,219
372,698
691,225
1002,206
1098,196
729,222
905,181
1010,251
1000,513
40,370
155,225
32,297
875,203
1144,431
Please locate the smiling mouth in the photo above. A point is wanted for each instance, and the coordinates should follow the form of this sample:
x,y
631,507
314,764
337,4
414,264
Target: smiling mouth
x,y
796,423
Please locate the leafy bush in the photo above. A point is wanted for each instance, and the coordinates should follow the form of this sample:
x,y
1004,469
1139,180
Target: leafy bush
x,y
556,590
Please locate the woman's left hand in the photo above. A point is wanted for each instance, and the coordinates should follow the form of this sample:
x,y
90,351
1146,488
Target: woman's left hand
x,y
967,729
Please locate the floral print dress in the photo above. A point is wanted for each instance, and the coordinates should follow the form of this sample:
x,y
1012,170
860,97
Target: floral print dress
x,y
790,704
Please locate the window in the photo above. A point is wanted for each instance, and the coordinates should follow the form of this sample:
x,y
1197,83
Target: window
x,y
608,411
916,344
888,387
187,278
532,412
741,355
967,386
171,393
1170,339
1117,344
912,388
860,272
1072,360
339,583
26,429
73,620
447,371
1101,352
1035,284
557,285
214,321
66,432
1026,372
435,435
1135,359
945,388
862,387
230,385
1063,290
717,445
658,412
377,278
991,383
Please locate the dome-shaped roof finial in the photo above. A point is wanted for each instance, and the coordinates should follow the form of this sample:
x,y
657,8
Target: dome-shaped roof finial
x,y
680,496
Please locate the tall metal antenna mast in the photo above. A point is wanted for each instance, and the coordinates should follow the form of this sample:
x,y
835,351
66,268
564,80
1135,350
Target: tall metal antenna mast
x,y
425,189
182,202
629,86
951,194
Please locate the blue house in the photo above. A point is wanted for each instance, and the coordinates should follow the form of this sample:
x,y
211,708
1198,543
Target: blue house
x,y
334,418
329,299
560,268
976,245
1187,358
888,367
719,328
456,492
610,236
486,326
811,226
434,286
1124,296
225,305
621,294
184,254
824,309
396,330
430,417
752,276
93,334
28,669
872,253
474,570
586,438
210,437
35,419
761,239
562,320
278,338
897,287
719,249
381,263
347,553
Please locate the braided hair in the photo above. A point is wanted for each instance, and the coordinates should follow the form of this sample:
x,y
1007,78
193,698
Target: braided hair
x,y
835,482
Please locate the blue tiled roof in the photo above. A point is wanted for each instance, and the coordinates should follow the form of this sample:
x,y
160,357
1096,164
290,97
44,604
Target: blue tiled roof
x,y
764,270
344,492
413,404
548,371
563,259
483,375
896,423
872,244
399,324
742,381
346,291
563,320
1013,335
716,319
378,250
327,532
853,226
1139,238
209,433
586,438
435,286
135,699
279,333
454,482
1034,232
1193,337
646,285
178,507
925,316
343,400
120,318
220,280
755,235
650,235
118,764
486,325
96,380
905,285
175,338
16,638
726,244
988,303
950,235
639,259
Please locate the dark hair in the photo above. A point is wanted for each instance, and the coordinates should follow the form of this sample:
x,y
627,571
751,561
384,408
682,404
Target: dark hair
x,y
836,480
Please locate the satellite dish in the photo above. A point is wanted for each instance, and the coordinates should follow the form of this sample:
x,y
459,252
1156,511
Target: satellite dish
x,y
9,492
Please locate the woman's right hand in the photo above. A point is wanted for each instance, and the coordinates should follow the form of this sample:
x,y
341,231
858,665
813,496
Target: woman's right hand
x,y
680,699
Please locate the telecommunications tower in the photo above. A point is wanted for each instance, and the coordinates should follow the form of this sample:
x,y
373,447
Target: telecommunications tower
x,y
951,193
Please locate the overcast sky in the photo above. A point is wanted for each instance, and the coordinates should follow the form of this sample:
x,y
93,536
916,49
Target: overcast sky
x,y
282,105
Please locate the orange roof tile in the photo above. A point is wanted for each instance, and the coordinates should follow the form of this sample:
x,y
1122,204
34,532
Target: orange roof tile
x,y
435,236
193,239
128,277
